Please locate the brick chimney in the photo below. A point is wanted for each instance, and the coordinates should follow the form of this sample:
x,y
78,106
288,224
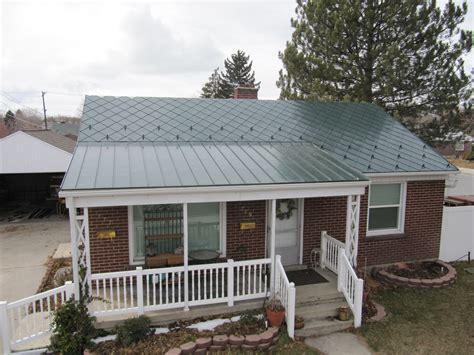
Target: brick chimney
x,y
246,92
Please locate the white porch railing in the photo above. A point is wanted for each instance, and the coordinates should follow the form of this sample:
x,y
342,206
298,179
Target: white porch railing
x,y
30,318
286,292
330,251
351,286
333,256
140,291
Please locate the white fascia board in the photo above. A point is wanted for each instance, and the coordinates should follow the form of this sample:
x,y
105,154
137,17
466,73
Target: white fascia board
x,y
410,176
129,197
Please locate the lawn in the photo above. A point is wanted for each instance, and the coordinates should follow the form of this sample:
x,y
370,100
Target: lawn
x,y
436,321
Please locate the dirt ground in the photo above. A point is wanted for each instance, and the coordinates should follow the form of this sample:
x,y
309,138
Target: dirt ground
x,y
24,249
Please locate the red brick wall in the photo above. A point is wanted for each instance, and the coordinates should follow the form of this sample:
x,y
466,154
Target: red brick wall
x,y
250,243
109,255
323,213
423,219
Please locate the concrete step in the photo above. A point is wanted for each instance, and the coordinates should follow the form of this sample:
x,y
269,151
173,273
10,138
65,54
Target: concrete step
x,y
319,298
320,310
323,326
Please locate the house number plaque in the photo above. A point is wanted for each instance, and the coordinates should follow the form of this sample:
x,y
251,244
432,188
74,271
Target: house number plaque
x,y
109,234
247,225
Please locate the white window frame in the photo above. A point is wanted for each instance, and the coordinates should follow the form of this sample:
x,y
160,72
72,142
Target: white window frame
x,y
401,214
141,261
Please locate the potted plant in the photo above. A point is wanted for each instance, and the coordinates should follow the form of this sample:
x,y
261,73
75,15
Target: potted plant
x,y
275,312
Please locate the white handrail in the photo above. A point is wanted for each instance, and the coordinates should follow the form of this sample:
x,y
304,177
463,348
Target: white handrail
x,y
286,292
329,251
351,286
333,256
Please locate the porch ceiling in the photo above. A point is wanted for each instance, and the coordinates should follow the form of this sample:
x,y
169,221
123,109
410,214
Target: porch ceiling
x,y
123,165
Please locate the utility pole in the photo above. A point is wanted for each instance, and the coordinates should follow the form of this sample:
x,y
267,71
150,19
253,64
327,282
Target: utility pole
x,y
44,111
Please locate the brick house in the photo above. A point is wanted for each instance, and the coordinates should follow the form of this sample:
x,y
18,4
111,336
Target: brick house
x,y
164,182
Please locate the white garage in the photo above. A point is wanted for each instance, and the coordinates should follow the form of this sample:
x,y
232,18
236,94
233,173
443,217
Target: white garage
x,y
32,165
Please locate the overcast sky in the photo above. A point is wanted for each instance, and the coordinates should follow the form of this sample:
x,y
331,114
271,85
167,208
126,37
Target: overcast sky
x,y
72,48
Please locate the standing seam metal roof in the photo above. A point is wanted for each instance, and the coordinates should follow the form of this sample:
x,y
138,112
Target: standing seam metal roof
x,y
142,165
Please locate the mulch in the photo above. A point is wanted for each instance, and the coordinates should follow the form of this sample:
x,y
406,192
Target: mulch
x,y
421,270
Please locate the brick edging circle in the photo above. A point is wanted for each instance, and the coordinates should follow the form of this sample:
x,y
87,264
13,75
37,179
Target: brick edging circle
x,y
448,279
253,342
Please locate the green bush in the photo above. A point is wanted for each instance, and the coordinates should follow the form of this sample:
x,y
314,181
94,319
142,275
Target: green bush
x,y
469,156
133,330
73,329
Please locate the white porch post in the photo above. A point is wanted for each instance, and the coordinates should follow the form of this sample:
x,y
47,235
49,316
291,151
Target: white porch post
x,y
74,246
272,244
186,253
80,250
352,228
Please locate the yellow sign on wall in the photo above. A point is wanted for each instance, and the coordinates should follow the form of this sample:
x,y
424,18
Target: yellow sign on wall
x,y
109,234
247,225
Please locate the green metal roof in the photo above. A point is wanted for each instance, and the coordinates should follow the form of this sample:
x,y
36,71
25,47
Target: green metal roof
x,y
117,134
142,165
362,135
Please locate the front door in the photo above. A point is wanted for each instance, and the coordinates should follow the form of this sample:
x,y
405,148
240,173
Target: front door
x,y
287,231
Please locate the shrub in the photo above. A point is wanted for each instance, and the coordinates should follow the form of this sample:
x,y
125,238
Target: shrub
x,y
133,330
73,328
469,156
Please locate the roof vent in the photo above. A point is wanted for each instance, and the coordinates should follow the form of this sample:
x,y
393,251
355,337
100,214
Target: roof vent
x,y
107,137
90,127
158,128
222,128
177,137
190,128
124,127
210,137
279,128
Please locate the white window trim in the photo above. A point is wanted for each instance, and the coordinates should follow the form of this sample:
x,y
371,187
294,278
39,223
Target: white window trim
x,y
401,215
141,261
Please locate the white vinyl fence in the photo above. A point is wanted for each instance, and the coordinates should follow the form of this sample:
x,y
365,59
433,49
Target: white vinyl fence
x,y
457,233
333,257
30,318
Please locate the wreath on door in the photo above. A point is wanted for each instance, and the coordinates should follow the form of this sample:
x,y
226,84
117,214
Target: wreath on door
x,y
290,207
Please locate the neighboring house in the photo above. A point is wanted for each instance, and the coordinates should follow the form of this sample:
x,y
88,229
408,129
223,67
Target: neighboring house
x,y
164,181
70,130
31,162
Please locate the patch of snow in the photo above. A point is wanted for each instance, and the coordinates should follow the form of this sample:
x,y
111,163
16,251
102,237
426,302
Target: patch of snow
x,y
235,318
106,338
161,330
209,325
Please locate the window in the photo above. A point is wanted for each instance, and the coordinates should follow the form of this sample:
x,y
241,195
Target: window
x,y
203,226
157,229
386,209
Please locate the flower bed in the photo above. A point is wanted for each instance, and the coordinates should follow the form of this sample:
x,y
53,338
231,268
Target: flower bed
x,y
433,274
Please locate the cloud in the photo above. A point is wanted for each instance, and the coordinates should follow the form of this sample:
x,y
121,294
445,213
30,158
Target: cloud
x,y
149,47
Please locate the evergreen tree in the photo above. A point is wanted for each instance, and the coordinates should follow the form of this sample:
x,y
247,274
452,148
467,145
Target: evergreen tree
x,y
9,119
238,71
216,87
405,56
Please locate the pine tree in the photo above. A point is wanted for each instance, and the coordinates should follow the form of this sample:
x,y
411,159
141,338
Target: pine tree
x,y
405,56
9,119
216,87
238,71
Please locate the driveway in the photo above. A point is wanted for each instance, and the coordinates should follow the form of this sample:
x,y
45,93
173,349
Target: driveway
x,y
24,249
